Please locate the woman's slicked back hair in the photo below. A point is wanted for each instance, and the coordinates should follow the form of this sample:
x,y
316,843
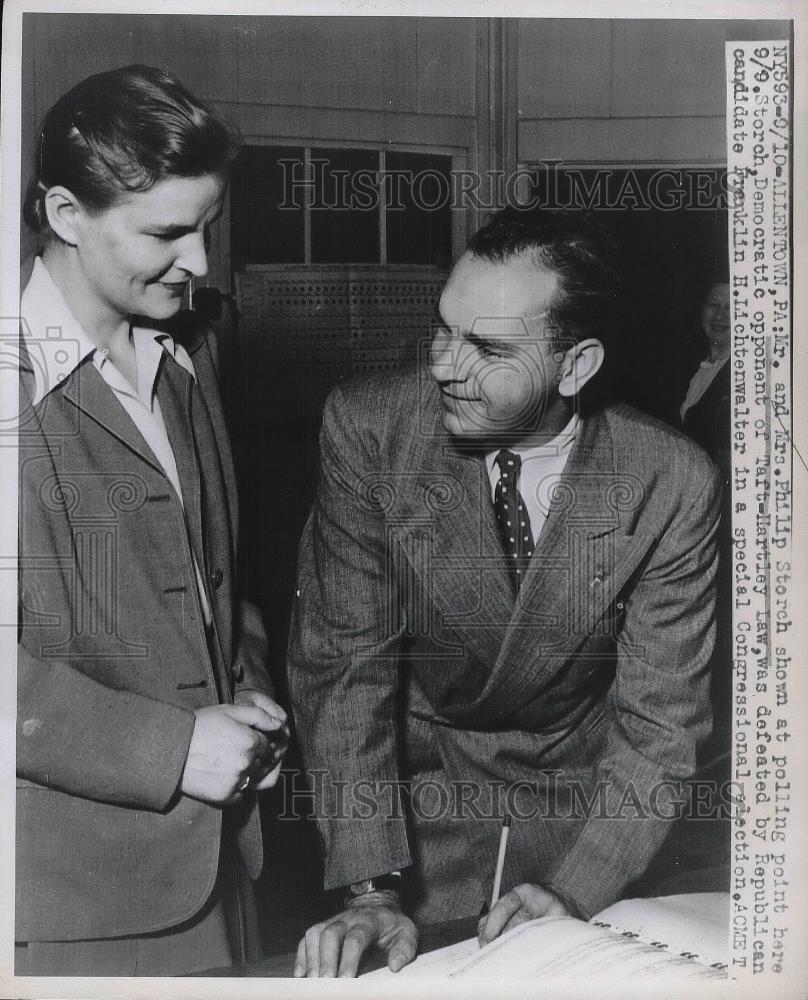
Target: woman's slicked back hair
x,y
122,131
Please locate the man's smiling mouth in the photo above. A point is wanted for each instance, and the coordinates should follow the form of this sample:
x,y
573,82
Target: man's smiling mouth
x,y
461,399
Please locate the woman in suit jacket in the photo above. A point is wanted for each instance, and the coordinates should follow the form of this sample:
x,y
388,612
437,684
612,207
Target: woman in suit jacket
x,y
705,408
145,722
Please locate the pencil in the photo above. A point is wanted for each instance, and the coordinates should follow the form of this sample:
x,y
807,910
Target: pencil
x,y
503,847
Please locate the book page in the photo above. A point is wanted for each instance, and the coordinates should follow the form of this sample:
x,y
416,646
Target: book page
x,y
567,948
556,946
436,964
693,924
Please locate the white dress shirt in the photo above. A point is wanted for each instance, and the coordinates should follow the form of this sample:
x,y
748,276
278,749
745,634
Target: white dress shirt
x,y
57,344
541,470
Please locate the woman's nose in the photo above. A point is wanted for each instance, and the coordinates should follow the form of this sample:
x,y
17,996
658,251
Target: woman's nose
x,y
193,256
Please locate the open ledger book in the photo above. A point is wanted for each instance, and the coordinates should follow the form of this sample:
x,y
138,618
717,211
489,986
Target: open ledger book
x,y
672,937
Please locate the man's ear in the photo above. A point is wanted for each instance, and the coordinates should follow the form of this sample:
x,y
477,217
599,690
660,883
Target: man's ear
x,y
581,363
63,210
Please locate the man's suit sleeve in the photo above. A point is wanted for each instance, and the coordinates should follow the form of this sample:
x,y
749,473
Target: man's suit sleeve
x,y
658,708
342,660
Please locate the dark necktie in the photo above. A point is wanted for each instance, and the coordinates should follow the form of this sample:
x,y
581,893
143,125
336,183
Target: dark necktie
x,y
512,516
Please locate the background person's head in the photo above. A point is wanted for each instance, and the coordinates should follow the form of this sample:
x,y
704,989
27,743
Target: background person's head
x,y
715,318
523,321
129,173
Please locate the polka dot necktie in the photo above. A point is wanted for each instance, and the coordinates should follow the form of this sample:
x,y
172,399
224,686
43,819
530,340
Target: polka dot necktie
x,y
512,516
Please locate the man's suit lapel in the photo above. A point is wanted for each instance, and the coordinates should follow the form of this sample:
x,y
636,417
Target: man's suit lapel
x,y
583,558
465,571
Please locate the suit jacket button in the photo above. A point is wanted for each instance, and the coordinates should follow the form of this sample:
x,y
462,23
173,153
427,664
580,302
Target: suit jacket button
x,y
216,578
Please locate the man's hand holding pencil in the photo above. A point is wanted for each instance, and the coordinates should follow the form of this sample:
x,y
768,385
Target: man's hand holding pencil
x,y
524,902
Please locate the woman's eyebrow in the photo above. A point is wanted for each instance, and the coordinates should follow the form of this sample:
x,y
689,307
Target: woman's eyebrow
x,y
170,230
178,229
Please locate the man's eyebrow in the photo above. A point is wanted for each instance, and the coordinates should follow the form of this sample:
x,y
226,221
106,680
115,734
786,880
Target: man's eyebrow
x,y
486,343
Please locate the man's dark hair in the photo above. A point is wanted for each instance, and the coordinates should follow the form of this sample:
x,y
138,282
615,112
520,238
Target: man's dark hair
x,y
573,246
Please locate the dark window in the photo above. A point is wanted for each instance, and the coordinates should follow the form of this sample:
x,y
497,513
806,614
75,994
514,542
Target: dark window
x,y
266,219
418,196
278,193
345,209
670,228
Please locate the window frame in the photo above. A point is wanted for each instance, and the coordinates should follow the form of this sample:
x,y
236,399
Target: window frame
x,y
458,158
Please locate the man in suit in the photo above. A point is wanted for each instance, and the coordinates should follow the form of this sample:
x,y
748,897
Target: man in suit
x,y
505,605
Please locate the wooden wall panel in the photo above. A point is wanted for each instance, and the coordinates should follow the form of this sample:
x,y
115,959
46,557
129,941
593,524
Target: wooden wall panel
x,y
444,64
198,49
70,47
564,68
631,141
624,91
385,64
674,68
444,133
333,62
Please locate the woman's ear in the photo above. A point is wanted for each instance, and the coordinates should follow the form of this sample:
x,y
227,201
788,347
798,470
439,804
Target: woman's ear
x,y
582,362
62,209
